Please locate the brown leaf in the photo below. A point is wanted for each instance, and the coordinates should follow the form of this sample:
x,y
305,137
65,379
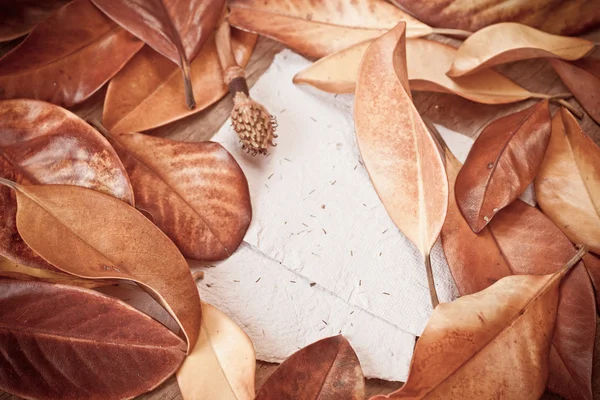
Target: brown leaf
x,y
19,17
196,193
149,92
91,235
43,143
222,365
174,28
502,163
63,342
560,17
337,73
67,57
402,158
568,184
321,27
521,240
10,269
582,77
327,369
489,345
507,42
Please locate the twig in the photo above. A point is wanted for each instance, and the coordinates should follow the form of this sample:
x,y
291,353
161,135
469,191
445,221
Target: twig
x,y
583,249
569,107
430,282
452,32
566,95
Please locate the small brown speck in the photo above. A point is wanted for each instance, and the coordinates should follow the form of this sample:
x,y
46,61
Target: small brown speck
x,y
323,206
207,285
384,232
313,216
386,293
271,175
351,312
287,159
319,331
325,322
380,254
333,183
266,186
355,166
360,282
313,119
324,231
293,281
351,253
364,204
313,284
305,224
236,281
257,280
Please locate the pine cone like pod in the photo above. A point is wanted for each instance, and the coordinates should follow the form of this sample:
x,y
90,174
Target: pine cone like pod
x,y
253,124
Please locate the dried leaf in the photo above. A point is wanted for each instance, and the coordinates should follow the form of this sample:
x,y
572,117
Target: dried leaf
x,y
321,27
327,369
91,235
491,344
562,17
196,193
19,17
67,57
507,42
10,269
521,240
175,29
582,77
402,158
337,73
568,184
222,365
149,92
63,342
44,144
502,163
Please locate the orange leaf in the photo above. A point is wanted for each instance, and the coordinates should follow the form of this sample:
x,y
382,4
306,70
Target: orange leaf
x,y
327,369
502,163
194,192
521,240
91,235
63,342
582,77
337,73
44,144
491,344
507,42
67,57
568,184
321,27
149,92
398,151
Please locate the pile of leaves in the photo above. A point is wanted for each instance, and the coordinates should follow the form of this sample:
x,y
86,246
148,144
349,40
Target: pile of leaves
x,y
92,217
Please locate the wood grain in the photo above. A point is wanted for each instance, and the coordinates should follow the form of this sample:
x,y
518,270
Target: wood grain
x,y
448,110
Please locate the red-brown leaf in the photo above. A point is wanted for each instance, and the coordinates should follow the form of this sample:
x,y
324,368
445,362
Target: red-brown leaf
x,y
194,192
327,369
582,77
62,342
20,16
44,144
521,240
67,57
502,163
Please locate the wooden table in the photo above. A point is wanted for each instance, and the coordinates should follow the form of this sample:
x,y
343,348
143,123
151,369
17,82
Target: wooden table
x,y
451,111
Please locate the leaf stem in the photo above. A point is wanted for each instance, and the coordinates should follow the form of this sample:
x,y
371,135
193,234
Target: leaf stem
x,y
452,32
583,249
187,83
9,183
565,95
568,106
430,281
99,127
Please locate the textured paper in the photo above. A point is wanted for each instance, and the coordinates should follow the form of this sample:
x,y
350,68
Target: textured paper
x,y
317,220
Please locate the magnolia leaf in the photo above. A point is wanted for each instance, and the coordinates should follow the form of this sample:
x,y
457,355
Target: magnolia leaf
x,y
196,193
63,342
327,369
562,17
582,77
91,235
402,158
491,344
44,144
10,269
337,73
67,57
478,260
507,42
222,365
568,184
502,163
148,92
175,29
321,27
19,17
